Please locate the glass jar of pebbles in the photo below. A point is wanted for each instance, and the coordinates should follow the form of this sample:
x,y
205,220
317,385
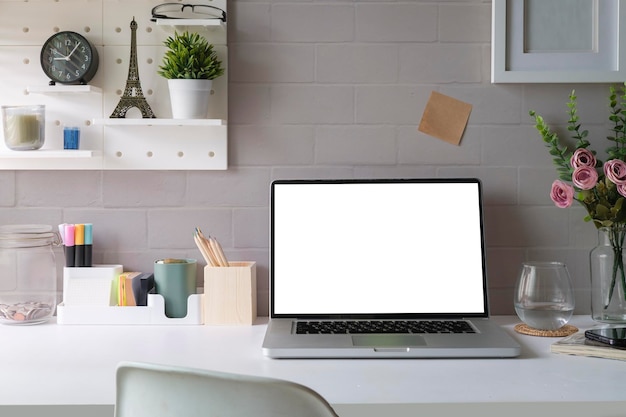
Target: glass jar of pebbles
x,y
28,273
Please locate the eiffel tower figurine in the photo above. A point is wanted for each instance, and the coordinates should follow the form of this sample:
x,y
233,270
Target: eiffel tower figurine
x,y
133,95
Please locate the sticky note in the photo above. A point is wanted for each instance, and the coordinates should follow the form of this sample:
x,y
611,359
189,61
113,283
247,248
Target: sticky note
x,y
445,118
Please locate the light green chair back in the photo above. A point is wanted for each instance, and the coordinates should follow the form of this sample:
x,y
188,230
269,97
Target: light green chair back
x,y
150,390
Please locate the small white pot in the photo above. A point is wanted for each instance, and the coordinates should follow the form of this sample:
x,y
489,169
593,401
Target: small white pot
x,y
189,98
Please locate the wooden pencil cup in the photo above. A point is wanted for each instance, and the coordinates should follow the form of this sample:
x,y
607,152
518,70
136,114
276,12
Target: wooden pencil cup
x,y
230,294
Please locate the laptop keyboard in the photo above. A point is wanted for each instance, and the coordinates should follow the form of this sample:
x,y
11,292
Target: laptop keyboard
x,y
383,326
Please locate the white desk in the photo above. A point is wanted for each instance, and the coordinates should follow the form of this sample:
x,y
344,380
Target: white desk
x,y
72,368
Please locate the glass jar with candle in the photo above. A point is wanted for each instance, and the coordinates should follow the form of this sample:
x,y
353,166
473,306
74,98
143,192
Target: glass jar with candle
x,y
24,127
28,273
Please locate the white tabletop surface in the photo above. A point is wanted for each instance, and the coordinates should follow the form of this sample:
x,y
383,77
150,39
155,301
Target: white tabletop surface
x,y
53,364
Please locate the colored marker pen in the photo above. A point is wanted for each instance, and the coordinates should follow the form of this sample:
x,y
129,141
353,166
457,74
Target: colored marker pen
x,y
70,252
79,245
88,244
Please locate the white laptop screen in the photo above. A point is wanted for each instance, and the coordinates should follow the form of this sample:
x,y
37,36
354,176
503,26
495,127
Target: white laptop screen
x,y
380,247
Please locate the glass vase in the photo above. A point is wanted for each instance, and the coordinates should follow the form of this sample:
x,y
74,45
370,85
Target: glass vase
x,y
608,280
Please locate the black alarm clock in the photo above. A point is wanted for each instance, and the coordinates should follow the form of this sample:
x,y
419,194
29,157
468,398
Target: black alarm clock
x,y
69,58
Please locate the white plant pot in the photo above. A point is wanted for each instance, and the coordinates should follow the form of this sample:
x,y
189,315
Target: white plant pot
x,y
189,98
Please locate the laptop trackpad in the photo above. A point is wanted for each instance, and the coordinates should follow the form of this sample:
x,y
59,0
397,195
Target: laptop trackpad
x,y
388,340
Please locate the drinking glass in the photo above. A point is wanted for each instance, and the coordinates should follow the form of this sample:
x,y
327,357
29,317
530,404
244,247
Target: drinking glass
x,y
544,298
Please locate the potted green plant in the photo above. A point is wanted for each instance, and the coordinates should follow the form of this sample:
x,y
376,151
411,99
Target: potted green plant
x,y
190,65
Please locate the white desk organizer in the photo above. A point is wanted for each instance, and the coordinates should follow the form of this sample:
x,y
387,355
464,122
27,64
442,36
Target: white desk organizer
x,y
87,299
153,313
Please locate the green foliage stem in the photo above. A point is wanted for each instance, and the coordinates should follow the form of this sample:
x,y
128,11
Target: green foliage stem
x,y
561,155
618,117
574,126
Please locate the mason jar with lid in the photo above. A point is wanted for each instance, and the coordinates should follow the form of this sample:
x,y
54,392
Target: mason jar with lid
x,y
28,273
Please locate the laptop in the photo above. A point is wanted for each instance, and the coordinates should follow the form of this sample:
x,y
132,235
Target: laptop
x,y
384,268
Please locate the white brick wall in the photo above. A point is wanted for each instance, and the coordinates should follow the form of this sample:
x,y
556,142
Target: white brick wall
x,y
337,89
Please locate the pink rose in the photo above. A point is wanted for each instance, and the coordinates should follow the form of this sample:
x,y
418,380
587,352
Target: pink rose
x,y
615,170
585,177
562,194
621,189
582,158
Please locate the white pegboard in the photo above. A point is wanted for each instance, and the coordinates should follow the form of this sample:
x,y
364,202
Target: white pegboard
x,y
25,25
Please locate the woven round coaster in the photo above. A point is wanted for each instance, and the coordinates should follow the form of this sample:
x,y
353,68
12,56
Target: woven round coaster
x,y
563,331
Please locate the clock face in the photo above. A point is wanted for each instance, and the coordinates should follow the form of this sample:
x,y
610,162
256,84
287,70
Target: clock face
x,y
69,58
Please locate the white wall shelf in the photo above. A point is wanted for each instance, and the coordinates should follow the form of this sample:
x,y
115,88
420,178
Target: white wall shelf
x,y
214,23
159,122
62,89
214,29
43,159
48,153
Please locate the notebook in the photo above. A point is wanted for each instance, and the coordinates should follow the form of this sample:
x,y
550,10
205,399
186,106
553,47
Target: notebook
x,y
385,268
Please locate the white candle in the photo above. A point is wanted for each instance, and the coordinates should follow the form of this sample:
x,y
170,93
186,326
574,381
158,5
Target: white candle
x,y
24,128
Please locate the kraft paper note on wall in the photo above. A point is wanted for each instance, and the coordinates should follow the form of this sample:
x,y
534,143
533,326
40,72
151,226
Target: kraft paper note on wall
x,y
445,118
